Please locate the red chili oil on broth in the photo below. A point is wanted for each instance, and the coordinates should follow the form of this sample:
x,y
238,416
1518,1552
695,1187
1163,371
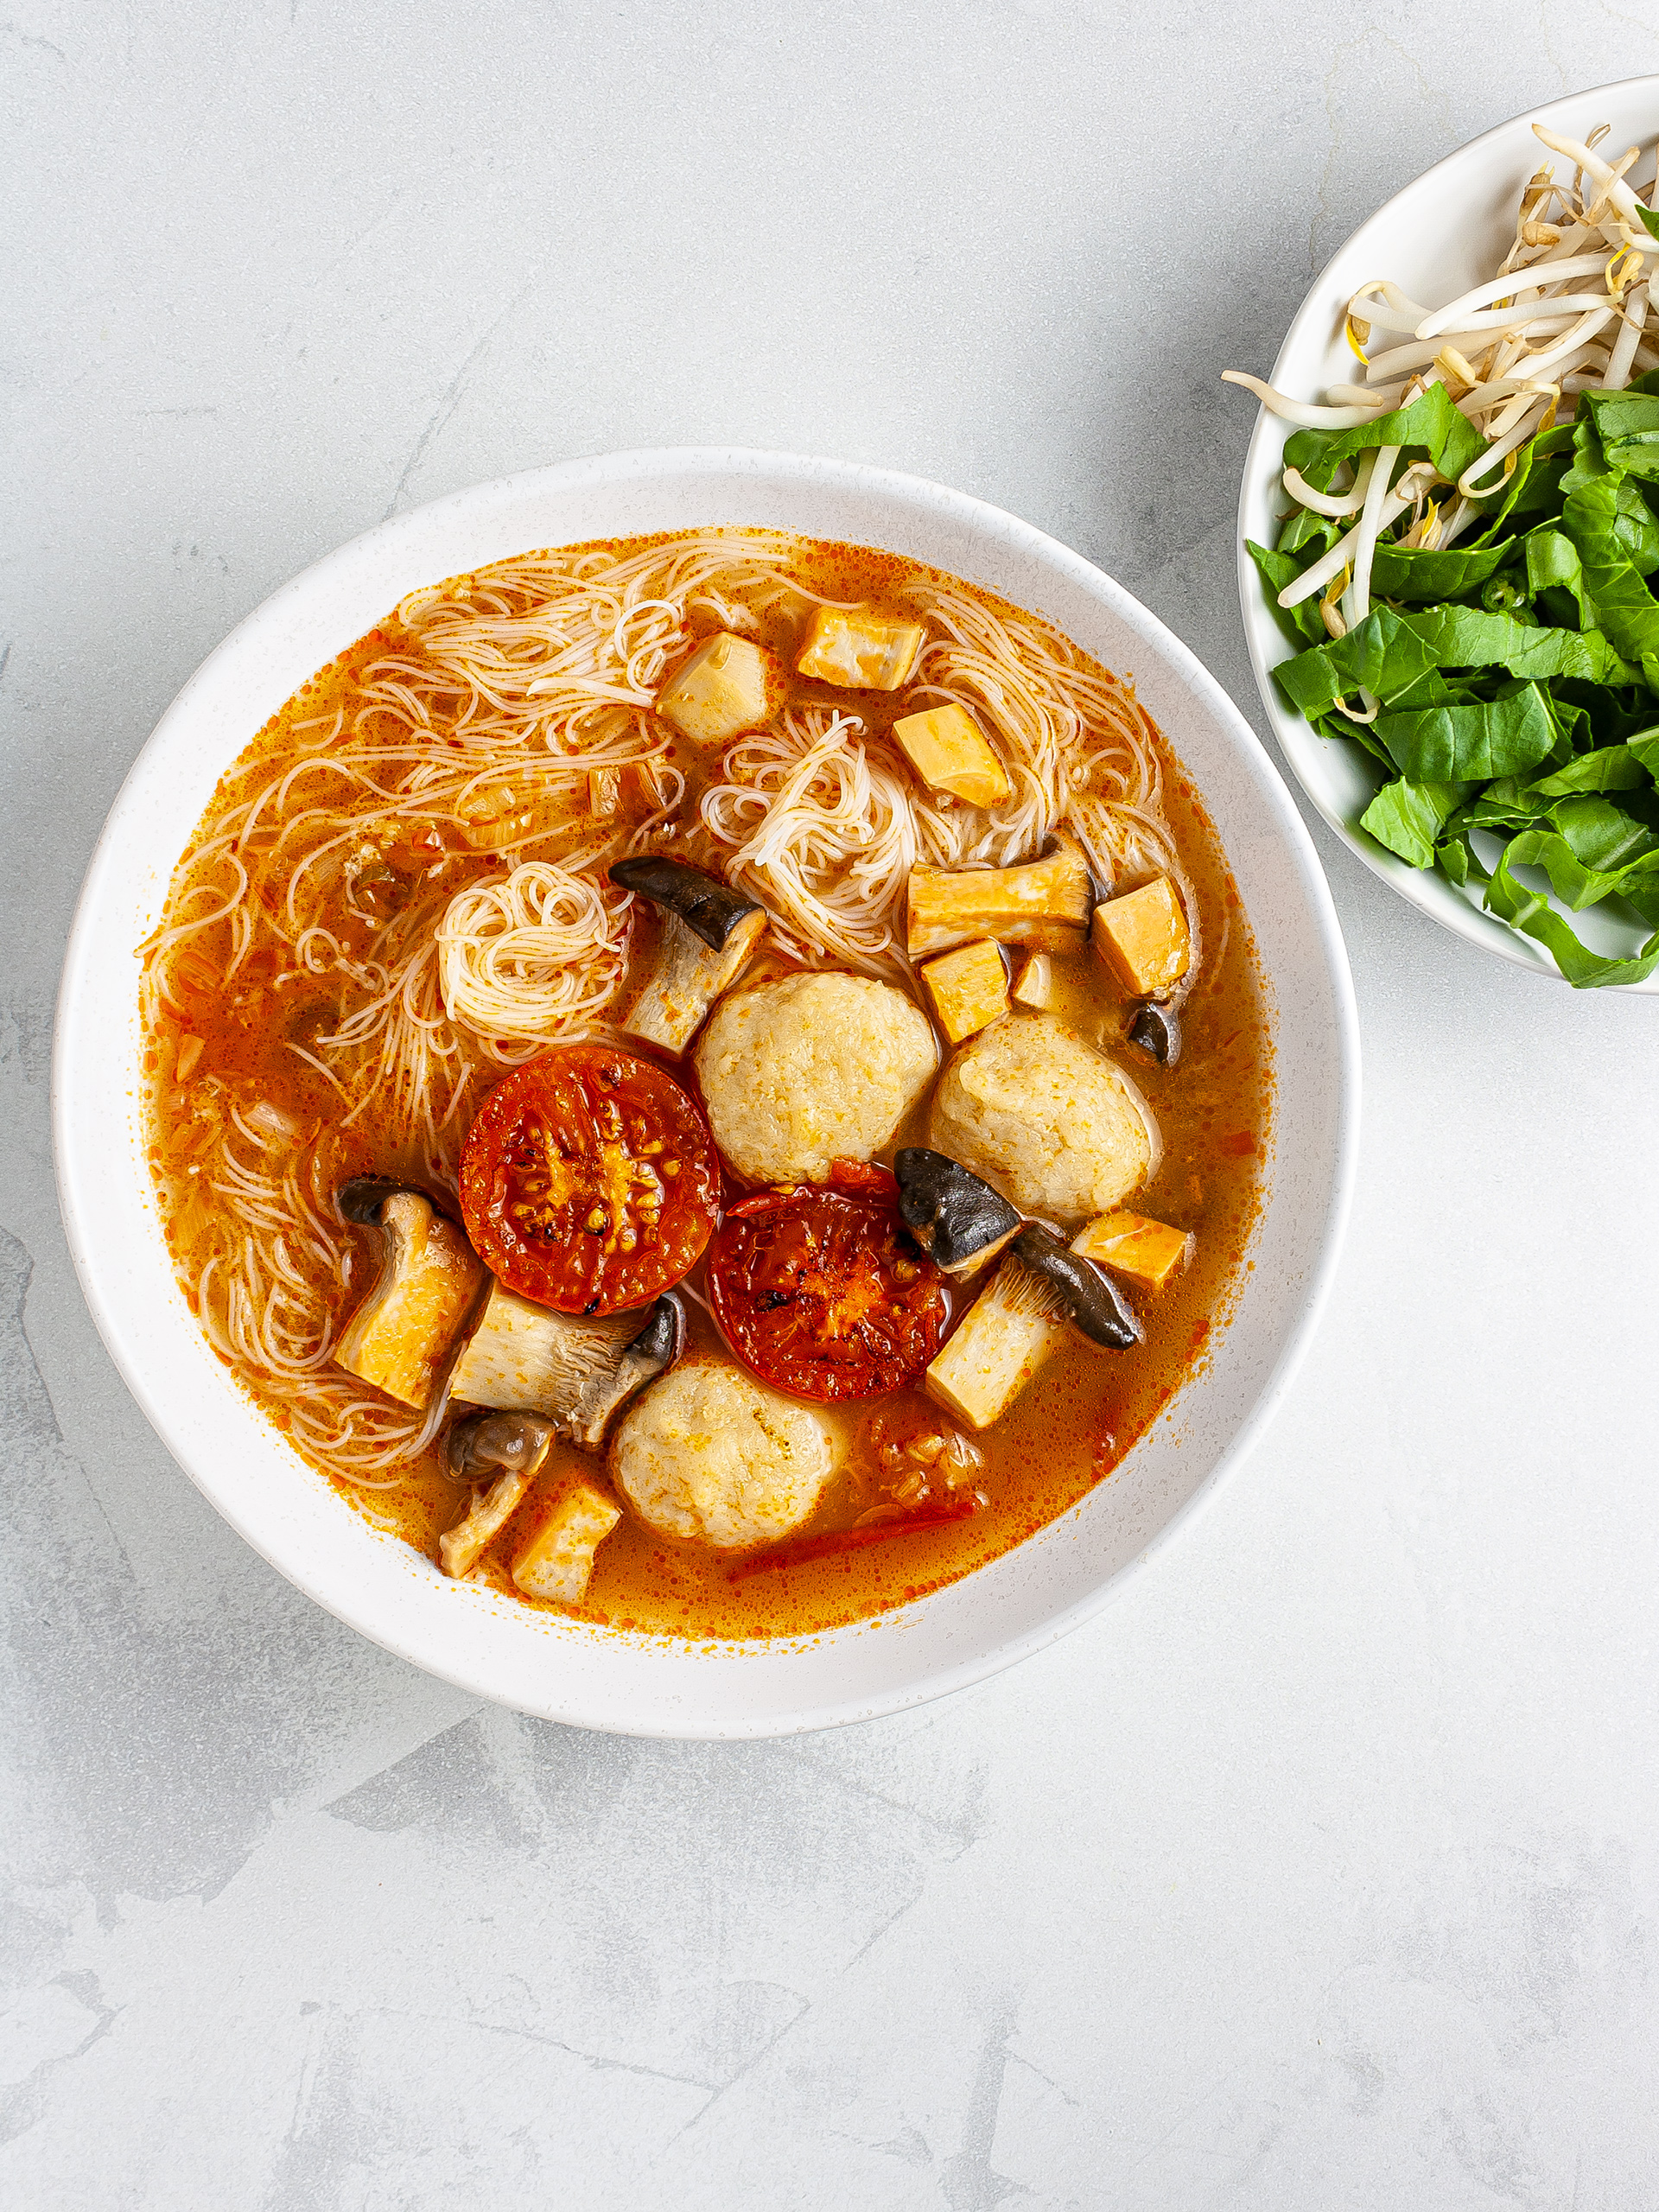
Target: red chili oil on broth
x,y
253,1040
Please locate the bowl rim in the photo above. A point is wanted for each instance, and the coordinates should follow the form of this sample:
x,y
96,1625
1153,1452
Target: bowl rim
x,y
1425,889
667,1717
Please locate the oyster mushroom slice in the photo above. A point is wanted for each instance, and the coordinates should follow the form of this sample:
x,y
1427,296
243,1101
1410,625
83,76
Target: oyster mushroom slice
x,y
1005,1338
576,1373
505,1451
482,1449
650,1354
1091,1301
401,1334
1020,1321
1021,1317
709,932
708,906
956,1219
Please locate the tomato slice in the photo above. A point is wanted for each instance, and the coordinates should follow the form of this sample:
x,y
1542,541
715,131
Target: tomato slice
x,y
862,1175
590,1181
823,1294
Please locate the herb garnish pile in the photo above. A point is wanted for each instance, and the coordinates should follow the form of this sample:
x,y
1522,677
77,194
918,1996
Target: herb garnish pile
x,y
1507,683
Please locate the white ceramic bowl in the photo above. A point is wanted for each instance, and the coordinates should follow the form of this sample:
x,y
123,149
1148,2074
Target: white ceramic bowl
x,y
564,1669
1441,235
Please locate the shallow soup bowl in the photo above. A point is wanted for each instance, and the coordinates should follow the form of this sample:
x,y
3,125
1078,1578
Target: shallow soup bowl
x,y
545,1662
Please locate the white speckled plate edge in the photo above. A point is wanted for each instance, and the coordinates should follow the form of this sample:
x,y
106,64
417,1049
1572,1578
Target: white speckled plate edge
x,y
545,1663
1406,239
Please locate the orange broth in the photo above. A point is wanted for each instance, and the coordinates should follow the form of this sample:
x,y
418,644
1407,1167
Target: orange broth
x,y
1072,1427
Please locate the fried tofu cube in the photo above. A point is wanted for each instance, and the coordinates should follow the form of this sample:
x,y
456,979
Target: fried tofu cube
x,y
558,1560
950,753
1044,902
1035,985
968,987
1142,1250
859,649
726,687
1143,938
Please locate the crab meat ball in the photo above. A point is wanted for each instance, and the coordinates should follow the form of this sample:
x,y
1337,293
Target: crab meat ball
x,y
713,1458
1045,1119
809,1069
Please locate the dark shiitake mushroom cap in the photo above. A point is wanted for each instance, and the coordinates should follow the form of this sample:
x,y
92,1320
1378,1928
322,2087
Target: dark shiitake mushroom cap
x,y
360,1199
712,910
496,1444
1157,1030
1093,1303
953,1215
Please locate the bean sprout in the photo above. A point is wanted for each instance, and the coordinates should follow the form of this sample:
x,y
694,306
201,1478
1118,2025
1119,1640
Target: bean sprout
x,y
1503,350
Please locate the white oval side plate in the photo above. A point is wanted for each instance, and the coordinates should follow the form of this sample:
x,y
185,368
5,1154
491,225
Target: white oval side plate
x,y
545,1663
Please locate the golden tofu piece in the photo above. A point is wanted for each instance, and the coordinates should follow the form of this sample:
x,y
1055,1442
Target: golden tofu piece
x,y
950,753
1034,986
558,1560
1144,1251
1143,938
968,987
400,1336
1045,902
726,687
860,650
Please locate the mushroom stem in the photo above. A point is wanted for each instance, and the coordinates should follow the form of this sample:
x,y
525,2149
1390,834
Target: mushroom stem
x,y
506,1451
401,1334
708,933
576,1373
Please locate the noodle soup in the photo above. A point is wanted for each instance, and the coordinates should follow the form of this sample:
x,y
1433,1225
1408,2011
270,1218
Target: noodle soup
x,y
801,864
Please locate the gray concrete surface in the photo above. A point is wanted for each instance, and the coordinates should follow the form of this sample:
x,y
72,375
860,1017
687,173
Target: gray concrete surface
x,y
1321,1871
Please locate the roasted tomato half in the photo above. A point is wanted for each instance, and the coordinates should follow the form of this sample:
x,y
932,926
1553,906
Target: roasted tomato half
x,y
823,1294
590,1181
